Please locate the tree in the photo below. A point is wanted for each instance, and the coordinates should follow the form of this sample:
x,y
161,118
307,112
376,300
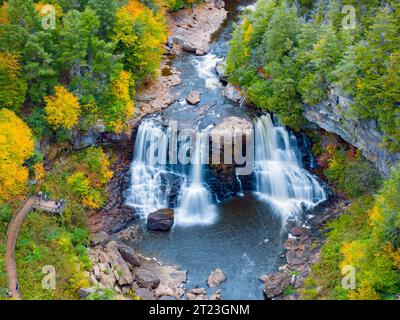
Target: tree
x,y
12,84
105,10
119,106
16,146
62,109
23,14
77,34
141,35
40,65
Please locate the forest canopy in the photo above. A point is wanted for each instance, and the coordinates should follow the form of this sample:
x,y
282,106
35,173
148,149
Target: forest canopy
x,y
287,55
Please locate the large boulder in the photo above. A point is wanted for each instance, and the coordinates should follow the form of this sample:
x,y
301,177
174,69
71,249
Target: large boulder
x,y
161,220
193,97
216,278
129,255
108,281
275,284
119,266
98,238
145,279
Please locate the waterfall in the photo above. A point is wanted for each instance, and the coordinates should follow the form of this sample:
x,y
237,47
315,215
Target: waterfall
x,y
146,194
240,187
280,177
195,205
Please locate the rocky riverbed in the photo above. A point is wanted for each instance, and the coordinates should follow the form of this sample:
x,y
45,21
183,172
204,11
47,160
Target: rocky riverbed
x,y
302,248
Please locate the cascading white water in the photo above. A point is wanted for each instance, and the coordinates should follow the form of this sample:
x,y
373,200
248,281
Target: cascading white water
x,y
205,67
195,205
145,194
280,178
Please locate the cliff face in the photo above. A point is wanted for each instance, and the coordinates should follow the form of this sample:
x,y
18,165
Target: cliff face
x,y
332,115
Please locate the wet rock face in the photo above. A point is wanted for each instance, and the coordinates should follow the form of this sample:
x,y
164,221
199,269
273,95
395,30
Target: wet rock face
x,y
222,177
332,116
172,183
161,220
115,215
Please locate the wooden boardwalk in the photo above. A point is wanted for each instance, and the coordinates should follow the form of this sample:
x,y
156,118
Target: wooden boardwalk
x,y
31,203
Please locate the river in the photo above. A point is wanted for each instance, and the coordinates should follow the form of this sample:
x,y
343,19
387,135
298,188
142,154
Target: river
x,y
242,235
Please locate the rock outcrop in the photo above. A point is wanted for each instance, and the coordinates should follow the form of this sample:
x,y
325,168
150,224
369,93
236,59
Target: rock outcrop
x,y
333,115
156,95
224,178
114,215
192,31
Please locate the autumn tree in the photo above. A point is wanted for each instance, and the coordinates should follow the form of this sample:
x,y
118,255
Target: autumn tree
x,y
12,85
141,35
62,109
119,105
16,146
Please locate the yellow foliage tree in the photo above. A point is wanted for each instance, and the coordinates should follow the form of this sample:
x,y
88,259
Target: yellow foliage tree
x,y
62,109
12,86
16,146
120,105
3,13
38,171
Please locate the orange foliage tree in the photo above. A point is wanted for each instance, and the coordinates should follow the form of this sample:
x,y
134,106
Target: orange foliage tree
x,y
16,146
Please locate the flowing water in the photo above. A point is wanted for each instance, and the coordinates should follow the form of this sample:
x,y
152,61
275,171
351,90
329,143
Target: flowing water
x,y
242,235
280,177
195,206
